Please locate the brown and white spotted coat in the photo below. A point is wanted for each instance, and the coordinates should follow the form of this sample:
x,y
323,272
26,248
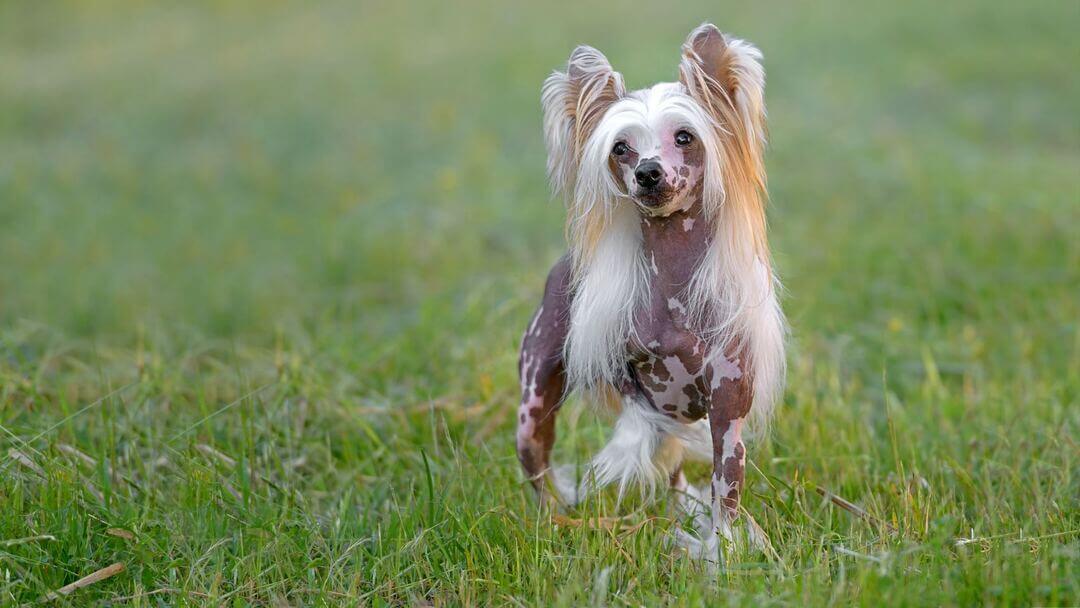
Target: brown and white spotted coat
x,y
668,364
542,376
684,161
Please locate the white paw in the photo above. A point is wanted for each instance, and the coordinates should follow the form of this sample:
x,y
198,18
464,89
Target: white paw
x,y
711,537
564,485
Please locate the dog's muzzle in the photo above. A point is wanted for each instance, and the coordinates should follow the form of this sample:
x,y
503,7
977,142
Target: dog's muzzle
x,y
648,174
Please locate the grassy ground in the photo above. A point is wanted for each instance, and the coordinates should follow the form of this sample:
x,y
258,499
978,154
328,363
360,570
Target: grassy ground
x,y
264,270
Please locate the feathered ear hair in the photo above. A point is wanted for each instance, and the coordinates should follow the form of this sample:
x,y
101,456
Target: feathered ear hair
x,y
574,101
733,294
725,76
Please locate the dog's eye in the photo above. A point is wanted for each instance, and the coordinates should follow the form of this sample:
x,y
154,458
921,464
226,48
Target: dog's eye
x,y
683,138
620,148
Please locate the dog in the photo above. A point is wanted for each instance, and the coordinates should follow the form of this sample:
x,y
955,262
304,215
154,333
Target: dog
x,y
665,305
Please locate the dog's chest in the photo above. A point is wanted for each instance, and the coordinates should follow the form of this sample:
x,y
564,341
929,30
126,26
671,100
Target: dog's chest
x,y
671,365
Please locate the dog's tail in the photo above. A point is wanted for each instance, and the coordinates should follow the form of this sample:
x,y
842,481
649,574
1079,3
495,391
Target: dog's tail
x,y
644,449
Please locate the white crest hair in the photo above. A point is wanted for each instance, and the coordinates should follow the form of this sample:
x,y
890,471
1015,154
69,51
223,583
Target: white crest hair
x,y
573,102
732,298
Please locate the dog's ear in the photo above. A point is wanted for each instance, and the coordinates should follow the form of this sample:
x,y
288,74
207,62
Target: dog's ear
x,y
725,76
574,101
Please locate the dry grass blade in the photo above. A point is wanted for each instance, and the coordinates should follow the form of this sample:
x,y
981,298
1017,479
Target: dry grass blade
x,y
76,453
1008,538
853,508
641,524
28,539
120,533
848,552
216,455
229,488
759,537
86,581
599,523
25,461
92,489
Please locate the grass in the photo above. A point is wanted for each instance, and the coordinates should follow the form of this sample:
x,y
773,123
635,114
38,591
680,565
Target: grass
x,y
265,268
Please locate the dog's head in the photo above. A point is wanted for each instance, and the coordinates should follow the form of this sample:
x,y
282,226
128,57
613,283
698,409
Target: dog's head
x,y
660,148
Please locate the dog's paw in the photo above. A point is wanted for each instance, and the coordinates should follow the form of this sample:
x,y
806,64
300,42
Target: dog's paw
x,y
691,502
563,485
714,544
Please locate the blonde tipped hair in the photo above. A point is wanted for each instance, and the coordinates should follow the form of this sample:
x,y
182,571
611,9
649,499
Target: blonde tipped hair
x,y
733,294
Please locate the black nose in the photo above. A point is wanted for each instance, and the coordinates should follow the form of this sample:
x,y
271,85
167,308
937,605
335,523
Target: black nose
x,y
648,174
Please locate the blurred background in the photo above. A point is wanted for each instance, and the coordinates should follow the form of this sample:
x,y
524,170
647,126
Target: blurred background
x,y
233,167
341,207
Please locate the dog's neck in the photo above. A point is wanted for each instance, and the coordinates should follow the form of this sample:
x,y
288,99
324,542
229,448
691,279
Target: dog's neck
x,y
674,245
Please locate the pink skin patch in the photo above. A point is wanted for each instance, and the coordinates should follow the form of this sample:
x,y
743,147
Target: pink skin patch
x,y
528,412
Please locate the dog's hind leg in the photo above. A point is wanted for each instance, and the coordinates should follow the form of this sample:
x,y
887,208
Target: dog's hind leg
x,y
540,403
686,500
543,380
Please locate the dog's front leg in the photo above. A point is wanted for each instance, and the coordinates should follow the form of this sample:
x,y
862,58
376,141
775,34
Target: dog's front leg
x,y
730,404
729,462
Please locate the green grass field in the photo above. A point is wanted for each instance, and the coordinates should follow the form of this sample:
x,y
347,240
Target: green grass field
x,y
263,271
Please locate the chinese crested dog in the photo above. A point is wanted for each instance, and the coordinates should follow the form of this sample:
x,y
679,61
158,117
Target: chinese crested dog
x,y
665,306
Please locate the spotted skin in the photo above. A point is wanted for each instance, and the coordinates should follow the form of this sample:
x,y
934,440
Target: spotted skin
x,y
542,376
675,369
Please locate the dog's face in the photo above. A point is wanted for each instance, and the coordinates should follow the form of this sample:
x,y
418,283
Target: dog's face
x,y
658,154
659,149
